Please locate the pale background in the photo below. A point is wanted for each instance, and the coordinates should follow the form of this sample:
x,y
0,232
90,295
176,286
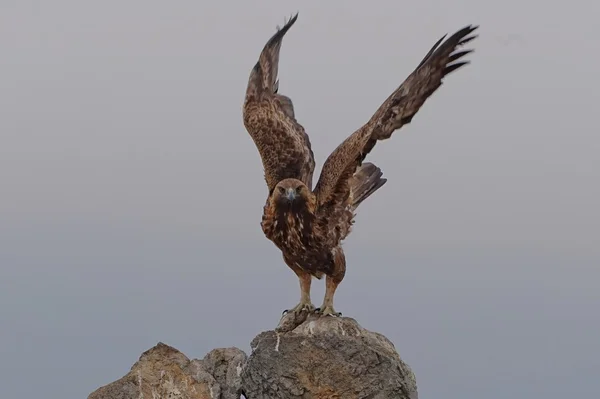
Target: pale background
x,y
132,195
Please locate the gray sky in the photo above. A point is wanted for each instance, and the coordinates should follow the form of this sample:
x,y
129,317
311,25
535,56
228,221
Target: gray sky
x,y
123,157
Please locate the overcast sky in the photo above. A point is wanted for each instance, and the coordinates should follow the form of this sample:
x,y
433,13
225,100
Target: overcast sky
x,y
131,194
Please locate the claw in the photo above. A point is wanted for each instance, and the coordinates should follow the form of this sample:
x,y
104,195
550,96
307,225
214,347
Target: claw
x,y
301,307
329,311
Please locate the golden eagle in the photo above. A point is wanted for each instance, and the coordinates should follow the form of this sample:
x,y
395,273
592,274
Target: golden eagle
x,y
306,224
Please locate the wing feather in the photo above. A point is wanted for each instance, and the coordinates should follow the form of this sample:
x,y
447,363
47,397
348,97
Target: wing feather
x,y
269,118
397,110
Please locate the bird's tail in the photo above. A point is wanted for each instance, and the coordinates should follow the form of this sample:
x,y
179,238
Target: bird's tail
x,y
366,180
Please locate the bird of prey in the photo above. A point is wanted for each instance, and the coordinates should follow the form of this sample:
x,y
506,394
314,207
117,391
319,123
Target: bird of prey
x,y
309,224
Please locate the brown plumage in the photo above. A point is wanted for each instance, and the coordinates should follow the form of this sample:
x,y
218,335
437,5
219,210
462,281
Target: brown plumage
x,y
308,225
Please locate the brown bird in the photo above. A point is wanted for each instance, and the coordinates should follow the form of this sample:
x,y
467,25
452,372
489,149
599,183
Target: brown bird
x,y
306,224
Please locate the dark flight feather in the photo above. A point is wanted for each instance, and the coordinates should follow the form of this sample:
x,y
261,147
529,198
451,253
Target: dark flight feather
x,y
397,110
270,120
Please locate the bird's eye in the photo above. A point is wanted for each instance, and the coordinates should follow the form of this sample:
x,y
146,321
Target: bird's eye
x,y
298,189
281,190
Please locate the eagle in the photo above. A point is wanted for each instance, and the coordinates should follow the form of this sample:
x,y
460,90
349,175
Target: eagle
x,y
309,224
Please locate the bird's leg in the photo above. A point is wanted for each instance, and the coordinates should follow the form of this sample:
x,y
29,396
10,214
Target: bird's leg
x,y
327,306
305,280
305,302
332,281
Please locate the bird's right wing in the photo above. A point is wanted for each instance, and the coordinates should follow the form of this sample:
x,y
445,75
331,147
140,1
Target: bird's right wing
x,y
397,110
269,118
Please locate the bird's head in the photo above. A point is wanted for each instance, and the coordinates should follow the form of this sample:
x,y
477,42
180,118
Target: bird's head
x,y
292,193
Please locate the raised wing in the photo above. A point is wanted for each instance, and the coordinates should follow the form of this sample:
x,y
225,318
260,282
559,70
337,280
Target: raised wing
x,y
397,110
282,143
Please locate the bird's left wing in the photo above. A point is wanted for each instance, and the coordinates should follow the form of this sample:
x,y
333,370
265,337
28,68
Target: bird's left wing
x,y
397,111
269,118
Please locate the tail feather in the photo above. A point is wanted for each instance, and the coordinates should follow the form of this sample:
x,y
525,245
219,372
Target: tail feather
x,y
366,180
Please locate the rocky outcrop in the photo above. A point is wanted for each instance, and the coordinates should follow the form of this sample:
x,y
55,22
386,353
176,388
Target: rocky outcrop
x,y
163,372
325,357
306,356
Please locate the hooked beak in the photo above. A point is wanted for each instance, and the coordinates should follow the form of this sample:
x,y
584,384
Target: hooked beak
x,y
290,194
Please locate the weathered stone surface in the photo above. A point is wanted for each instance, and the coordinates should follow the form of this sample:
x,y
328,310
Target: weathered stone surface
x,y
306,356
225,365
163,372
325,358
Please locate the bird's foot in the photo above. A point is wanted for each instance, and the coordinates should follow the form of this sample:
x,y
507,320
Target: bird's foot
x,y
301,307
328,310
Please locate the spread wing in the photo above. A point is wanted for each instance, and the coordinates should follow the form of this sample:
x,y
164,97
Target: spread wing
x,y
269,118
397,110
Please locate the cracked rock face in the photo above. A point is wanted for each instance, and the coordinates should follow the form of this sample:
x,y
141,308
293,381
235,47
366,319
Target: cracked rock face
x,y
164,372
325,357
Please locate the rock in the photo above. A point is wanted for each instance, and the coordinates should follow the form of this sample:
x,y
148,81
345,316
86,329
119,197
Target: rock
x,y
312,356
164,372
225,365
306,356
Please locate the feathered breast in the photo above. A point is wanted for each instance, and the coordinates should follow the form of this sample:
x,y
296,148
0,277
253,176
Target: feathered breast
x,y
292,230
